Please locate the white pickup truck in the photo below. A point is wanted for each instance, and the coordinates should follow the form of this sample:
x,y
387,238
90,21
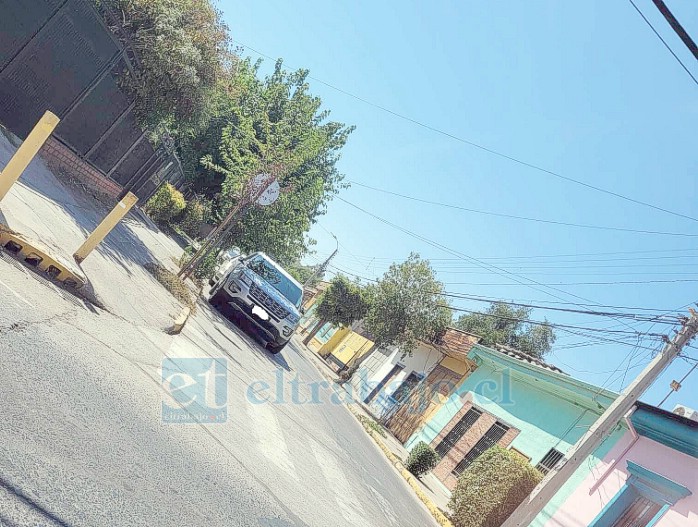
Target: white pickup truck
x,y
258,288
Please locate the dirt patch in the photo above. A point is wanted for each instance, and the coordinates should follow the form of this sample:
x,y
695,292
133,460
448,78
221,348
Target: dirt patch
x,y
173,284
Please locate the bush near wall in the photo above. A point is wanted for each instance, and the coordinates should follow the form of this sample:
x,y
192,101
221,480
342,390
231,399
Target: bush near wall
x,y
165,204
422,459
490,489
194,214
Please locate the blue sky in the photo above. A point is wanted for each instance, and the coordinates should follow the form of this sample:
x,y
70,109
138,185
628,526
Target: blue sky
x,y
580,88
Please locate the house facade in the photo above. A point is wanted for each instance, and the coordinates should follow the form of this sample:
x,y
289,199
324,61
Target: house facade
x,y
518,402
648,479
388,381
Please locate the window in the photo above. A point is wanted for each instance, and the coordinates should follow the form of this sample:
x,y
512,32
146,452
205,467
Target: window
x,y
644,498
276,277
638,514
392,373
458,431
549,461
491,438
403,391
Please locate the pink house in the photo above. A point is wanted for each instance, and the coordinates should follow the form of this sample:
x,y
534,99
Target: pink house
x,y
648,479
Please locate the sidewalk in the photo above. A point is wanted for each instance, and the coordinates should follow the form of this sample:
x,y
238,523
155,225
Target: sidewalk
x,y
429,485
43,208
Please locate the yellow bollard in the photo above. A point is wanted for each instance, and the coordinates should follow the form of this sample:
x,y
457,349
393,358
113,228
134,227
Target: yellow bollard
x,y
105,227
26,152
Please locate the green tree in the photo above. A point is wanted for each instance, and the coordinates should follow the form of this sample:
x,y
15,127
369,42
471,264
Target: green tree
x,y
343,303
274,120
183,60
303,273
407,306
505,324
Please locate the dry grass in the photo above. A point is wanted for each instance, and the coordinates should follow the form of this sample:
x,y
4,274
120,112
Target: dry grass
x,y
173,284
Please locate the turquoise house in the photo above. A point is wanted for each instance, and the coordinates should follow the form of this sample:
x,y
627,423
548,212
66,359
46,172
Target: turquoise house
x,y
519,402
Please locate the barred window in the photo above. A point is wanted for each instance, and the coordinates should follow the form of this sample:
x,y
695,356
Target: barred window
x,y
458,431
491,438
549,461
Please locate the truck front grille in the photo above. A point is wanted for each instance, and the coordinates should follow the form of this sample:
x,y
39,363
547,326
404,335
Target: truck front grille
x,y
268,302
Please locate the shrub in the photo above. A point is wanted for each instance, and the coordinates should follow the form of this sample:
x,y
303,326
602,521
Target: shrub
x,y
422,459
490,489
165,204
194,214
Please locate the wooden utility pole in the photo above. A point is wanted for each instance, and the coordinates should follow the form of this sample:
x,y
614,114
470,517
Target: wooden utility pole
x,y
251,193
546,489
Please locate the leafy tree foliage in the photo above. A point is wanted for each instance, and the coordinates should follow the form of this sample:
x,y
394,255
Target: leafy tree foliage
x,y
343,303
505,324
230,123
303,273
407,306
182,49
272,120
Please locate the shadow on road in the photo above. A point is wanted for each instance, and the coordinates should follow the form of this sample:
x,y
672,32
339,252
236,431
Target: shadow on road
x,y
33,504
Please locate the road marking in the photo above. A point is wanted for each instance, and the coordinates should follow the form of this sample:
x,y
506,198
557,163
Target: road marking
x,y
349,504
270,437
15,293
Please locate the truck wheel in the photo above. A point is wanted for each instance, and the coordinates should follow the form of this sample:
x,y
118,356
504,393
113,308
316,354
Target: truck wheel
x,y
216,298
276,348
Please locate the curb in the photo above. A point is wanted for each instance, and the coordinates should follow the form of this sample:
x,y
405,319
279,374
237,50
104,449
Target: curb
x,y
38,256
406,474
179,322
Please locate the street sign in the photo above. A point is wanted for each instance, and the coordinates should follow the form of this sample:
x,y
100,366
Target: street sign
x,y
271,194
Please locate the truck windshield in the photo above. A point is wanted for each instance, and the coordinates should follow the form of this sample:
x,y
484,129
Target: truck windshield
x,y
272,275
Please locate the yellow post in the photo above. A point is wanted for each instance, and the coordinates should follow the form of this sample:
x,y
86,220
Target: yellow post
x,y
26,152
105,227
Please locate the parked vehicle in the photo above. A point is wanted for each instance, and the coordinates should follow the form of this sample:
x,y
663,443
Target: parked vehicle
x,y
225,262
264,293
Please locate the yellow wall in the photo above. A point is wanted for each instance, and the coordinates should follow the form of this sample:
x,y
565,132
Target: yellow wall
x,y
335,340
454,365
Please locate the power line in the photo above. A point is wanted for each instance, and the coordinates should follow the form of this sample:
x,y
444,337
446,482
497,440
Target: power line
x,y
556,325
633,316
497,270
515,217
617,282
482,147
677,27
554,285
654,251
663,41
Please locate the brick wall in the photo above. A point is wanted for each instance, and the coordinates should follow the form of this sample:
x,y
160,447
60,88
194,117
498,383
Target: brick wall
x,y
443,470
60,158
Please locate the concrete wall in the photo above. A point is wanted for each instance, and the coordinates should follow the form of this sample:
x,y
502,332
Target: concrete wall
x,y
582,506
379,364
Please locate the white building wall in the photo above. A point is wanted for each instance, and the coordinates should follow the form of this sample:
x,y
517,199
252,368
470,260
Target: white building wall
x,y
376,367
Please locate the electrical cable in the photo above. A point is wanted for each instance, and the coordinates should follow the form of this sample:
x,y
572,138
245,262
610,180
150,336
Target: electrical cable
x,y
482,147
663,41
523,218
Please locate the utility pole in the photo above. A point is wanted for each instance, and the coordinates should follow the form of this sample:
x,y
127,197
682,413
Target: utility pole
x,y
546,489
253,191
323,265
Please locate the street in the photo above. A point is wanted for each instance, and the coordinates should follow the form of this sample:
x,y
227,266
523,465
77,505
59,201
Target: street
x,y
82,441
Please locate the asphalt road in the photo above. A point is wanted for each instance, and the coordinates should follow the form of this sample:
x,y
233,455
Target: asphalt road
x,y
82,440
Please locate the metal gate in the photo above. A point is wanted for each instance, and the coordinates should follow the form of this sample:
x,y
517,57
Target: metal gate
x,y
58,55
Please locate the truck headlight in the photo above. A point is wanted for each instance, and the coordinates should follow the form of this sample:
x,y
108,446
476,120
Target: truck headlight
x,y
293,318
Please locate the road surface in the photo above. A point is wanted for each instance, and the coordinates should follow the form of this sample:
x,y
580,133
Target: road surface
x,y
83,443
